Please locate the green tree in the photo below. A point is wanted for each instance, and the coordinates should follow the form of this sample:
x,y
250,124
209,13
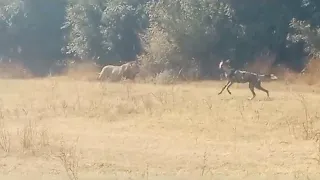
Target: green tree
x,y
105,29
199,27
31,31
306,28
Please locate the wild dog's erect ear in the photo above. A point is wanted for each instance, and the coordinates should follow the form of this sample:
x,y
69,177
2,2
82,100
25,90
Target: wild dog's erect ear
x,y
220,64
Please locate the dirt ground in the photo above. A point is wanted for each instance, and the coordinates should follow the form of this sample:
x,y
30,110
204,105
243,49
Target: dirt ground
x,y
57,128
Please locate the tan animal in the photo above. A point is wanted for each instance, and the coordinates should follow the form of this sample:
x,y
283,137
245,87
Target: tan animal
x,y
111,72
128,70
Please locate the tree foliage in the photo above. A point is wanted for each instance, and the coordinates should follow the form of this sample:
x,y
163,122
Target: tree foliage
x,y
173,34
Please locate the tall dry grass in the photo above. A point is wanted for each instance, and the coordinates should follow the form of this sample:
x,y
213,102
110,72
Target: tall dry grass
x,y
145,130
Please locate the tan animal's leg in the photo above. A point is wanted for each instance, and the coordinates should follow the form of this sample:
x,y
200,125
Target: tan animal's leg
x,y
101,74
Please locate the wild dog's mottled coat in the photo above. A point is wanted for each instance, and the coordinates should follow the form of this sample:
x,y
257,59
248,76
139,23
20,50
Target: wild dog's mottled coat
x,y
238,76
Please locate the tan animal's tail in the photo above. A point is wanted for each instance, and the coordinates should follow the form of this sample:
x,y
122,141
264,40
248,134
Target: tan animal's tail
x,y
99,76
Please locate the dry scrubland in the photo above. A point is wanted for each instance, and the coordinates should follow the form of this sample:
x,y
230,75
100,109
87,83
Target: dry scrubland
x,y
60,128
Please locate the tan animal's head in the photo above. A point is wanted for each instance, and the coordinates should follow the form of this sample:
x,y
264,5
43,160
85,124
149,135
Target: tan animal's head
x,y
135,67
131,69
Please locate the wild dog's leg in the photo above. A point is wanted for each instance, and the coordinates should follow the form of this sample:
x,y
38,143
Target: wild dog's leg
x,y
224,87
230,84
251,87
258,86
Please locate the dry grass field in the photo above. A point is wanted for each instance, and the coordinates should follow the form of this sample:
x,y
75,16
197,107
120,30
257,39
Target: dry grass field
x,y
59,128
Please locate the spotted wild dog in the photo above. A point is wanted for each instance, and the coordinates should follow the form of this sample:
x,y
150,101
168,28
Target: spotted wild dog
x,y
239,76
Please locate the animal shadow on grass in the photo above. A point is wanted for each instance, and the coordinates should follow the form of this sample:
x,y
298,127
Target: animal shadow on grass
x,y
268,99
228,99
261,99
247,98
